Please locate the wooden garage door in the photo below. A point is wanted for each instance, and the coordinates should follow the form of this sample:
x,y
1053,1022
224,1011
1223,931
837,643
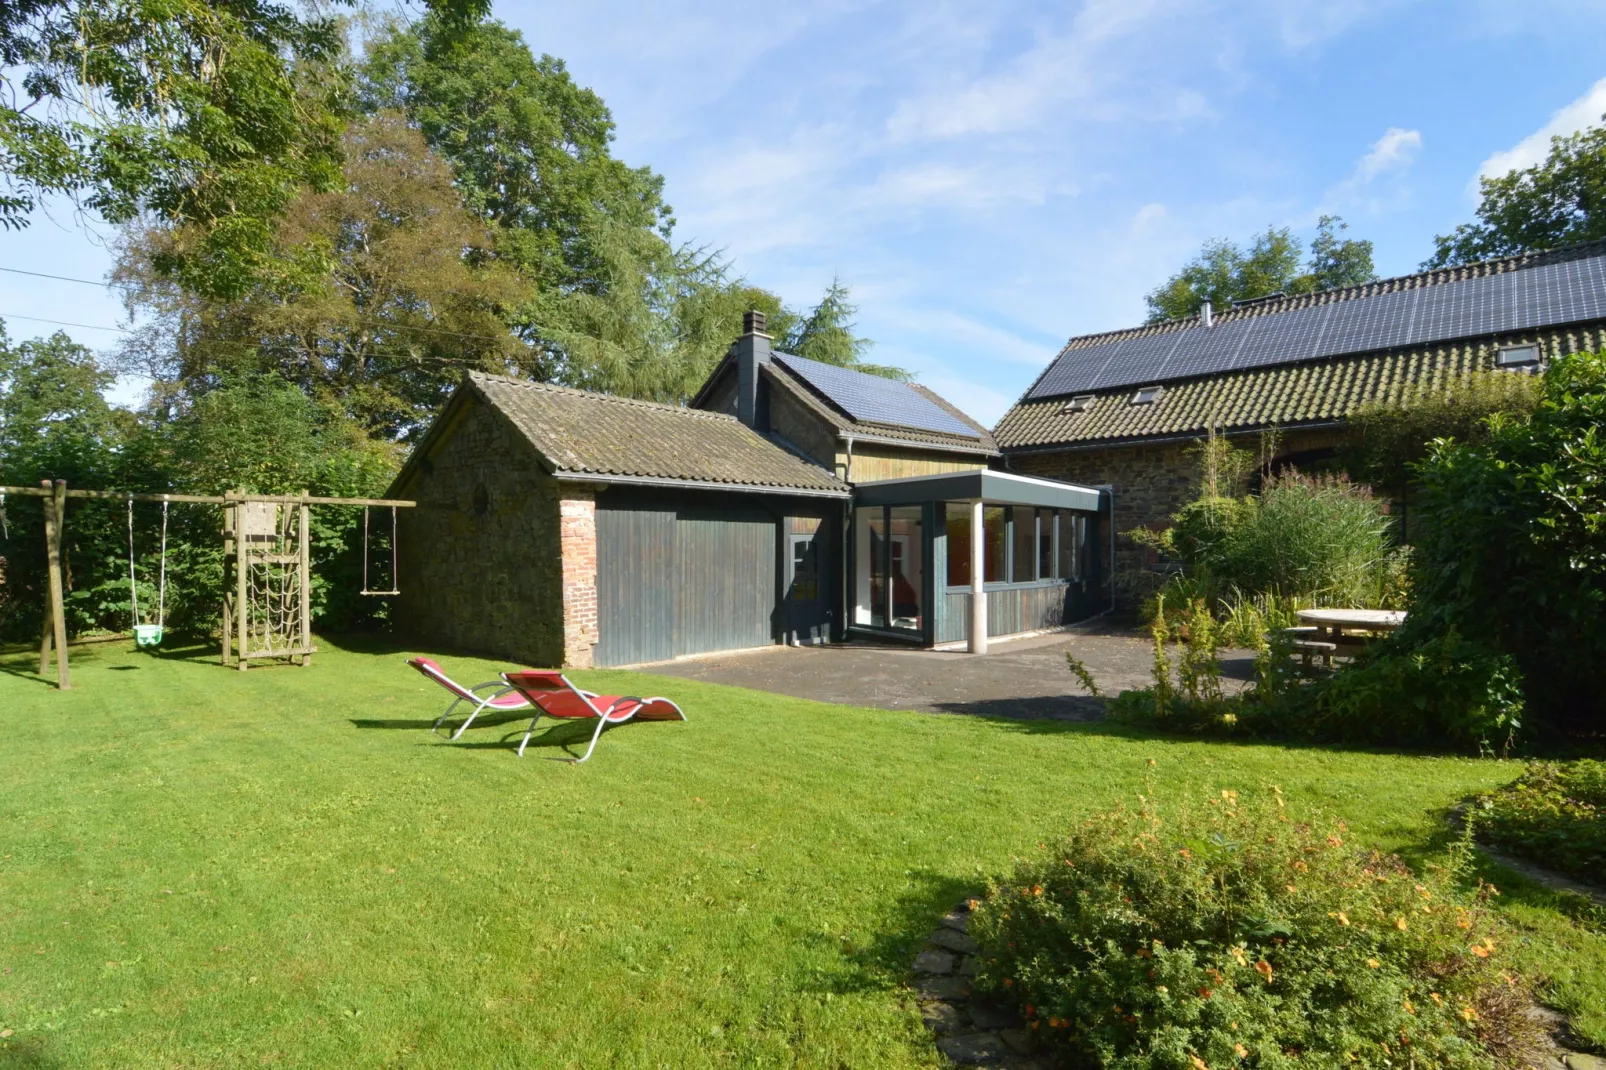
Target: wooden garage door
x,y
682,582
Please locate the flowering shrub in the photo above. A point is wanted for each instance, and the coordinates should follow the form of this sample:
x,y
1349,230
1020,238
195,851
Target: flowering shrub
x,y
1554,814
1233,934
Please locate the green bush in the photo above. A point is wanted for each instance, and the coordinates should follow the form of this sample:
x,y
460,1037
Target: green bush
x,y
1229,933
1511,545
1554,814
1317,536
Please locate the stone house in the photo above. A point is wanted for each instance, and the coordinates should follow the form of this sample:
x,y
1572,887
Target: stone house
x,y
792,502
1124,407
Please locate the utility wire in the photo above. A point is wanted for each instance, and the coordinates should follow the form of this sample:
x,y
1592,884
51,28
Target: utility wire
x,y
415,357
371,322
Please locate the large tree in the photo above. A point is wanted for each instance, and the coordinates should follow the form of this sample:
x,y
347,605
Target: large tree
x,y
1224,272
1558,202
207,112
826,334
380,292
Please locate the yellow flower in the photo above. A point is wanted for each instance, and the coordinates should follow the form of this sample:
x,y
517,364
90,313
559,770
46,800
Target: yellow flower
x,y
1408,1008
1399,923
1373,963
1343,919
1469,1014
1243,1052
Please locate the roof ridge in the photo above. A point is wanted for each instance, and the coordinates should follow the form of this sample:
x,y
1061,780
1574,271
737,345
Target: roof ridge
x,y
1267,306
596,395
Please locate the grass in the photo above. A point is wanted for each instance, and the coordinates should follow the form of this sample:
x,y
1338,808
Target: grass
x,y
200,867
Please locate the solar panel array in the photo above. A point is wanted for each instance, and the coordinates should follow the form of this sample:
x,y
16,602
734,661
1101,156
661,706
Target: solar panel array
x,y
1570,291
873,399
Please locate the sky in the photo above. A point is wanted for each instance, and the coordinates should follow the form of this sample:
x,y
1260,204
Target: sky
x,y
992,177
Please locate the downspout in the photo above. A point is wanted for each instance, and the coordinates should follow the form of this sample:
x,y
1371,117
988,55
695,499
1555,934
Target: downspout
x,y
848,563
848,476
1111,608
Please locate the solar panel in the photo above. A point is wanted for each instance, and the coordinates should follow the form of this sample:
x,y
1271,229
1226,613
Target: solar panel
x,y
1569,291
874,399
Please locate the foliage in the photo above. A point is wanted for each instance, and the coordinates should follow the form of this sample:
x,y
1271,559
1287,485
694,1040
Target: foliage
x,y
1083,675
1394,435
253,796
1511,545
1223,272
1215,934
826,334
1561,201
1448,693
256,433
1554,814
382,292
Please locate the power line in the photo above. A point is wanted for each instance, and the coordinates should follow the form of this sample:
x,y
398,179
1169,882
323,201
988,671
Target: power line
x,y
370,322
450,361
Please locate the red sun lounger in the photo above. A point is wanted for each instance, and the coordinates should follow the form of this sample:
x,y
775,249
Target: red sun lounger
x,y
505,697
552,694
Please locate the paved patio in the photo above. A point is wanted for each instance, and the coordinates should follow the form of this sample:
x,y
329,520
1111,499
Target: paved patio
x,y
1024,679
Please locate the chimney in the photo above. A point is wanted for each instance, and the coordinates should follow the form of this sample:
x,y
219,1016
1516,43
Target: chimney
x,y
1206,319
752,349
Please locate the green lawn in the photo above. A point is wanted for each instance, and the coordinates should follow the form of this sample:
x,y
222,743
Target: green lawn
x,y
200,867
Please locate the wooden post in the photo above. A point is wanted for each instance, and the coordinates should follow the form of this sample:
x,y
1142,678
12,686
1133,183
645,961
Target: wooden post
x,y
304,579
55,523
242,610
47,628
230,547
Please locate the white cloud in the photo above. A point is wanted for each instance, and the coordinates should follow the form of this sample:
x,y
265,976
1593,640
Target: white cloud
x,y
1396,150
1584,112
1148,217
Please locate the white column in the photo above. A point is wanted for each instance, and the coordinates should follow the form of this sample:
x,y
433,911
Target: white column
x,y
978,572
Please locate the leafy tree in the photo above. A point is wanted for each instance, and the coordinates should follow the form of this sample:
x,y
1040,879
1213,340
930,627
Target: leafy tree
x,y
1561,201
380,292
1223,272
1511,547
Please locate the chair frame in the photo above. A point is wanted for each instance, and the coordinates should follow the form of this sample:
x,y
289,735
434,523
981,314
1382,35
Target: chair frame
x,y
467,694
604,717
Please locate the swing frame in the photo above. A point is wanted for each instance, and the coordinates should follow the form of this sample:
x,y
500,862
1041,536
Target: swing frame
x,y
55,492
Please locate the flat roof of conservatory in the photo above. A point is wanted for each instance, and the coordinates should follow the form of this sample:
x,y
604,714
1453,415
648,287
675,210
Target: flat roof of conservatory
x,y
988,485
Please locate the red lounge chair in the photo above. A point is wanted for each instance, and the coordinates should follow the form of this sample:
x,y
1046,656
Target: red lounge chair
x,y
503,698
552,694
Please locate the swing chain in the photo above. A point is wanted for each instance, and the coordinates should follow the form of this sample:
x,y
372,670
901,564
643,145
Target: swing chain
x,y
133,590
161,585
365,554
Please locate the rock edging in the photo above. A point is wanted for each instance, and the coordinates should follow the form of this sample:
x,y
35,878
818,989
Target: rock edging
x,y
970,1030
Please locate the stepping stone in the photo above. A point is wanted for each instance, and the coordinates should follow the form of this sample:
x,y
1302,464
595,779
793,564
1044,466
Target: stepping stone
x,y
974,1049
1020,1041
970,966
989,1015
932,961
954,941
941,1018
943,988
1577,1060
957,920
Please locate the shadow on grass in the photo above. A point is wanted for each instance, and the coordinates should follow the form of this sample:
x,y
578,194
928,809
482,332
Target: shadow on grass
x,y
484,720
886,959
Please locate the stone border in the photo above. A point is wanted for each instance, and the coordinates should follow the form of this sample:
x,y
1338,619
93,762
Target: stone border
x,y
970,1030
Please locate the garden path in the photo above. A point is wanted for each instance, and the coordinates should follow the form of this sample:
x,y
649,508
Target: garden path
x,y
1026,679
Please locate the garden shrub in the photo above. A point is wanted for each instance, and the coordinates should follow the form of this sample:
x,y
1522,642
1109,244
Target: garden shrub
x,y
1230,933
1554,814
1511,545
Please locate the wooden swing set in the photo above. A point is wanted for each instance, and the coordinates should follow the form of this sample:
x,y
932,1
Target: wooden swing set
x,y
267,547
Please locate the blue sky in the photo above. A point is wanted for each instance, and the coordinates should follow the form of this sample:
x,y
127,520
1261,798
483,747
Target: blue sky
x,y
994,177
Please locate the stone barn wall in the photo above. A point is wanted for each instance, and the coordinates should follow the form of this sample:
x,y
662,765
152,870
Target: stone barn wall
x,y
479,558
1150,482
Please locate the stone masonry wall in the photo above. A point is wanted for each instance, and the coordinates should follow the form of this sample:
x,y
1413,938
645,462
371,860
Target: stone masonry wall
x,y
1150,483
577,519
479,557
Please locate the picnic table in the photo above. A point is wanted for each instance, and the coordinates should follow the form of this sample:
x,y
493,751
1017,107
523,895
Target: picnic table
x,y
1352,627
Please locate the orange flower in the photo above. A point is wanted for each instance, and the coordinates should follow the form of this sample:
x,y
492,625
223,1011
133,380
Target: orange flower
x,y
1334,841
1037,889
1408,1008
1030,1010
1264,969
1198,1063
1469,1014
1438,1000
1243,1052
1399,923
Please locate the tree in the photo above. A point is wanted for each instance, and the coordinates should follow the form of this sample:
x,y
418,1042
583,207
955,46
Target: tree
x,y
54,419
1223,272
1561,201
826,334
380,293
208,112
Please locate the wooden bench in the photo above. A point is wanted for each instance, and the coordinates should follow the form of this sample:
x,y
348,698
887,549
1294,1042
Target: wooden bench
x,y
1307,645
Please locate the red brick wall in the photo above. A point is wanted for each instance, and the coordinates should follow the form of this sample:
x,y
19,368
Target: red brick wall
x,y
577,537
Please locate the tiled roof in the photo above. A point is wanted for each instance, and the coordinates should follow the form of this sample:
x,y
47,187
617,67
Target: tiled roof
x,y
1289,394
847,425
1267,306
583,433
